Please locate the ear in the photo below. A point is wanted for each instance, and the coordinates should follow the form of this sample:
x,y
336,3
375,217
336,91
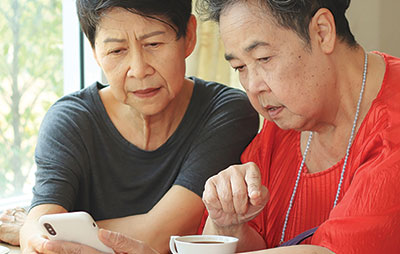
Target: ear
x,y
190,38
322,30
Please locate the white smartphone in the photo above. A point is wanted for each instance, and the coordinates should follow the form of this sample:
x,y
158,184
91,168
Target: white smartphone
x,y
4,250
76,227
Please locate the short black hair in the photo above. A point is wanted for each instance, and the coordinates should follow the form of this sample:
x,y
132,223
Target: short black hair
x,y
175,11
292,14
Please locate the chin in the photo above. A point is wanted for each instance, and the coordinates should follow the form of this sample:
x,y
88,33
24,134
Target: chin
x,y
289,125
151,112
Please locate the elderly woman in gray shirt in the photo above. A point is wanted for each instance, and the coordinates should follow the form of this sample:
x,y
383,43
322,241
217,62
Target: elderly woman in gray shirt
x,y
135,153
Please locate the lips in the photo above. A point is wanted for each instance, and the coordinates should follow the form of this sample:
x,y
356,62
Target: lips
x,y
274,111
272,108
148,92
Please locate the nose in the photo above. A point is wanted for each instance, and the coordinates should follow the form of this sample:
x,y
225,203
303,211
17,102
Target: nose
x,y
138,66
256,82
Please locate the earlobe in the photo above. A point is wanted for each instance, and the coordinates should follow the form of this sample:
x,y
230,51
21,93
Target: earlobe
x,y
190,38
323,30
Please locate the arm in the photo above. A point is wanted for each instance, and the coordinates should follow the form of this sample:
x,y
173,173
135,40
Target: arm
x,y
177,213
31,236
120,243
234,197
298,249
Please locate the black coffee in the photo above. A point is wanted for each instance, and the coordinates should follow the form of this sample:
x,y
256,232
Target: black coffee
x,y
207,242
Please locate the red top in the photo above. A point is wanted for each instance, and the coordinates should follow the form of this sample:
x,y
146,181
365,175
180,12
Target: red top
x,y
367,217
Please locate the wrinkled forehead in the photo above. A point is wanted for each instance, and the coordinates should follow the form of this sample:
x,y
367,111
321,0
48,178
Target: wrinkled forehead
x,y
247,21
243,13
119,20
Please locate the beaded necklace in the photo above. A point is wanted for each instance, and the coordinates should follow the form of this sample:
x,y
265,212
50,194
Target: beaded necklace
x,y
345,158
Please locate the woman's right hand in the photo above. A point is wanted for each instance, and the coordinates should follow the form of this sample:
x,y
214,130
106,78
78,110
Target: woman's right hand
x,y
35,245
119,242
31,235
11,221
235,196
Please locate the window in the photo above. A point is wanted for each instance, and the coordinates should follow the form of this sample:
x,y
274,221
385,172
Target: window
x,y
44,56
39,45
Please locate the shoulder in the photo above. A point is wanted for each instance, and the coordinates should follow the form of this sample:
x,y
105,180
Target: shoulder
x,y
82,100
69,124
72,116
218,93
392,73
389,94
221,99
75,107
382,123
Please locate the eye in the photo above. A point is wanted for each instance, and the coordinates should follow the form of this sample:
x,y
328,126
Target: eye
x,y
238,68
116,51
264,59
152,45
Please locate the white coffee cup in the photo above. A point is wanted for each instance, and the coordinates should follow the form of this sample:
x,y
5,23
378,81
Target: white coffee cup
x,y
203,244
4,250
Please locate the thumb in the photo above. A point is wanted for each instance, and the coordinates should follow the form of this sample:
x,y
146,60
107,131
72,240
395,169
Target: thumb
x,y
260,197
116,241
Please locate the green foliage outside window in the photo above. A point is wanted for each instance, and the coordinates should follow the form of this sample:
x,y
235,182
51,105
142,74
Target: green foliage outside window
x,y
31,79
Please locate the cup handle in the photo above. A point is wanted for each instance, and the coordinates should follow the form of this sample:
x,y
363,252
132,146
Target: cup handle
x,y
172,246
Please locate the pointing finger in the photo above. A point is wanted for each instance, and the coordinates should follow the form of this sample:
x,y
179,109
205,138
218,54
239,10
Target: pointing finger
x,y
253,181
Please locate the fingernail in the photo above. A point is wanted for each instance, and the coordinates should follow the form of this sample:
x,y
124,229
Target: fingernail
x,y
255,194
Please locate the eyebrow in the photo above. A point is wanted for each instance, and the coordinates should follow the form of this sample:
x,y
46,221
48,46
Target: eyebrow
x,y
249,48
142,37
256,44
145,36
107,40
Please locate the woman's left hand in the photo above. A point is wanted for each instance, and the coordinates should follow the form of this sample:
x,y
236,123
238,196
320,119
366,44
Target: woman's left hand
x,y
235,196
11,222
117,241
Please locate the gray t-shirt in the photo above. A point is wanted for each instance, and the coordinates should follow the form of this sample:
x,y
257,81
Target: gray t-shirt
x,y
83,162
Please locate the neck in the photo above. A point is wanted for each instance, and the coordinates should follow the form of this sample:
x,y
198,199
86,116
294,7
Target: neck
x,y
332,138
149,132
338,115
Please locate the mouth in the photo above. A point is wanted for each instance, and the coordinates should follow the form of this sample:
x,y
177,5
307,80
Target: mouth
x,y
273,108
148,92
274,111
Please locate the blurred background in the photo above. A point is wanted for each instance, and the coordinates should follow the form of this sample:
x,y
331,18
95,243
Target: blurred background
x,y
43,55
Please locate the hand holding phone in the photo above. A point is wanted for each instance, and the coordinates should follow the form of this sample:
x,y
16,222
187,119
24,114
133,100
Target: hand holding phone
x,y
78,227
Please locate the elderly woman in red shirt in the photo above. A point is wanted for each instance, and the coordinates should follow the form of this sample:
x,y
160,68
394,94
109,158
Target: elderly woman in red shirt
x,y
327,159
